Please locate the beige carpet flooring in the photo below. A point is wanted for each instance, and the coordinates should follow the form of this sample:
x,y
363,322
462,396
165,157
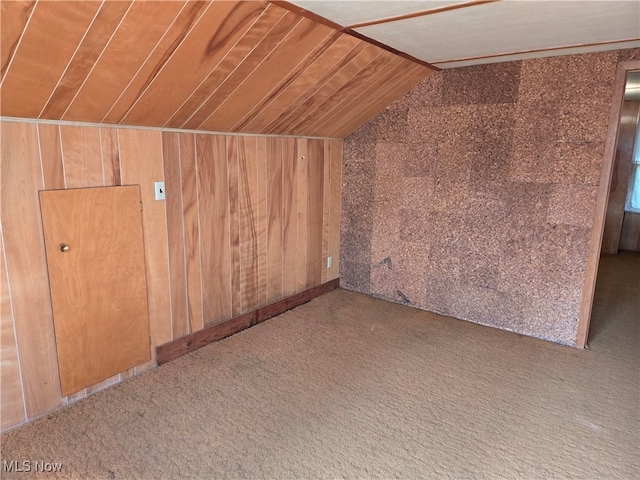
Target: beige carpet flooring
x,y
349,386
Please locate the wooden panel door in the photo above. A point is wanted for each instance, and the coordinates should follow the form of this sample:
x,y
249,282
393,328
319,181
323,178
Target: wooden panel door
x,y
95,257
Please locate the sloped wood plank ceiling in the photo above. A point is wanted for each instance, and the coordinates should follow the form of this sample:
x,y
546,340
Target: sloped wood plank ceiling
x,y
228,66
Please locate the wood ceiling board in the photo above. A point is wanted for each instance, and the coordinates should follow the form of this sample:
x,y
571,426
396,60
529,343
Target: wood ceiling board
x,y
387,86
155,62
123,57
361,81
300,86
85,57
482,30
303,66
216,32
304,38
369,80
325,91
400,87
309,83
252,48
350,12
539,54
13,18
47,46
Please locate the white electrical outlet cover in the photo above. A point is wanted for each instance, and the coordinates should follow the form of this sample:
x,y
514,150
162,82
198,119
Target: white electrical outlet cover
x,y
159,187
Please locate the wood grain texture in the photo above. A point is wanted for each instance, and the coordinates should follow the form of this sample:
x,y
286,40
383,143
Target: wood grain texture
x,y
334,184
261,218
315,191
232,155
228,66
274,219
175,233
11,398
182,346
303,84
93,313
188,174
302,206
85,57
21,178
246,157
630,237
395,88
291,43
51,153
125,53
155,62
231,70
48,43
305,111
326,208
141,163
214,210
13,19
215,33
82,156
289,216
110,157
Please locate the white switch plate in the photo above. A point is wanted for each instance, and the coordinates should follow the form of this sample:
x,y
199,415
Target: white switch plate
x,y
159,190
329,262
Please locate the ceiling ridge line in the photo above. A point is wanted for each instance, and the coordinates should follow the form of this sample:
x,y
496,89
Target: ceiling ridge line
x,y
536,50
348,31
422,13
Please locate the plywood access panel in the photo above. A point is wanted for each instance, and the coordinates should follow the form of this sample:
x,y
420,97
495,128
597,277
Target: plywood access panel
x,y
95,257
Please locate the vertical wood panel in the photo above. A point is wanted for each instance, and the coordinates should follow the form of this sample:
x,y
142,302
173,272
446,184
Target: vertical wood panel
x,y
246,153
302,205
326,208
630,236
274,219
11,398
233,143
85,57
214,206
262,219
110,157
289,217
191,230
21,178
173,192
13,19
51,153
335,207
50,40
315,182
141,163
82,155
123,56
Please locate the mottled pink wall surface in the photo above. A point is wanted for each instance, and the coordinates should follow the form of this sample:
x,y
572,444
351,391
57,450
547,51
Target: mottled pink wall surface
x,y
473,195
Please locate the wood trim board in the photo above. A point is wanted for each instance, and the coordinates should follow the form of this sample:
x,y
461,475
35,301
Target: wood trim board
x,y
181,346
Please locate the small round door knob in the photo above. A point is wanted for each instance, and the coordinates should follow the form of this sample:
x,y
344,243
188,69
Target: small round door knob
x,y
64,247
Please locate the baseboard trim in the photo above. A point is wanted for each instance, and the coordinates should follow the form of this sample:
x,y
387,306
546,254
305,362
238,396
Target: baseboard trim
x,y
189,343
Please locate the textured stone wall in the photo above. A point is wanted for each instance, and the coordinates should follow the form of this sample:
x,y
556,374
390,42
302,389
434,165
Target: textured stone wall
x,y
474,194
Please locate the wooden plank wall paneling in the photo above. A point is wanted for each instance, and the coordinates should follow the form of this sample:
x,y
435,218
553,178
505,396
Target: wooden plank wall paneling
x,y
247,221
233,66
